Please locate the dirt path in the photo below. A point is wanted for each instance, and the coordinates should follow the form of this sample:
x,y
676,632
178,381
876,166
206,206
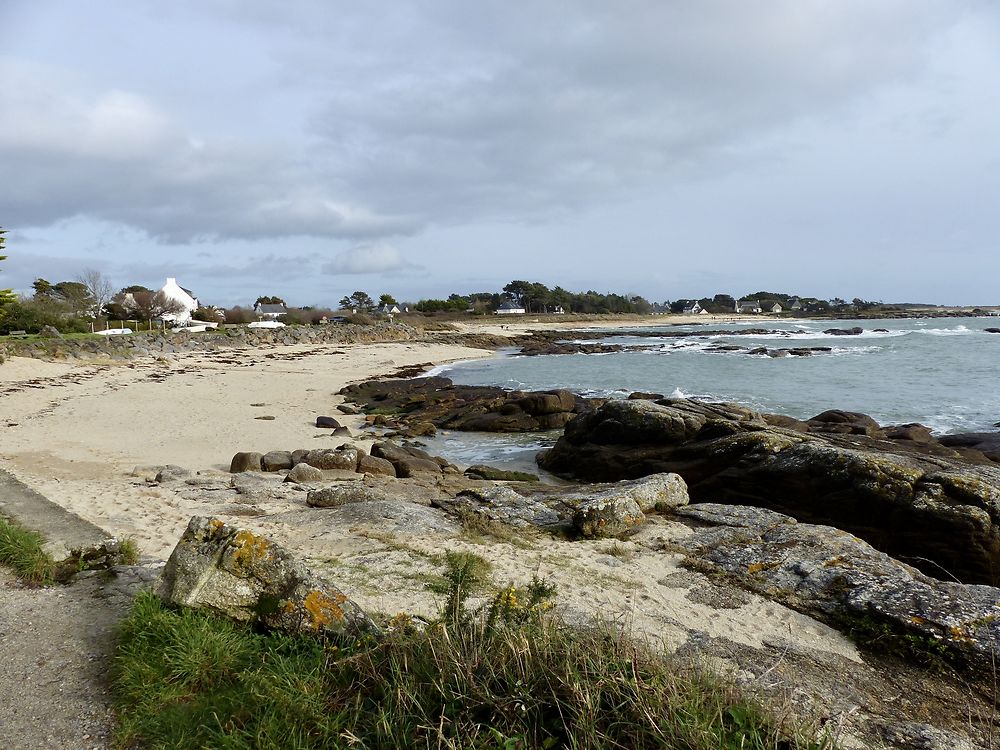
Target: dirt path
x,y
55,645
56,642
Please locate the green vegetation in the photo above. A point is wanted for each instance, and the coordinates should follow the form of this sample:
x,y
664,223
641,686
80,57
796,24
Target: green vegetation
x,y
23,551
885,638
6,295
128,551
503,676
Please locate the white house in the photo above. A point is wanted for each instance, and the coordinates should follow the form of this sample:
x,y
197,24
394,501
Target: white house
x,y
269,312
510,308
695,309
389,309
770,305
184,297
748,306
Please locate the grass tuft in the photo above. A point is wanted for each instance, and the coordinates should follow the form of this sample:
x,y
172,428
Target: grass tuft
x,y
504,676
23,550
128,551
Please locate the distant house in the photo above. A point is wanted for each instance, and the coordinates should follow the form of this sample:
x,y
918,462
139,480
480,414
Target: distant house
x,y
695,309
751,306
389,309
510,308
183,297
559,310
794,304
770,306
269,312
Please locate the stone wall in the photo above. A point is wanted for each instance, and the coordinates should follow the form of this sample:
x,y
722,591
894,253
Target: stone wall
x,y
156,343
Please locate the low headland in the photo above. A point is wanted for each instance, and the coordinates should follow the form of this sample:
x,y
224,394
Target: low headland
x,y
838,576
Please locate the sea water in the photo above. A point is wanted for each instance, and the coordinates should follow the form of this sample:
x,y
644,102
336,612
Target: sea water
x,y
941,372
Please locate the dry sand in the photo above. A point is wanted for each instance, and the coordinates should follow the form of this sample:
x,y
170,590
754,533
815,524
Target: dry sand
x,y
75,433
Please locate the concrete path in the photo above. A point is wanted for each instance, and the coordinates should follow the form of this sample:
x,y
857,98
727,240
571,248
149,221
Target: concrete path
x,y
62,530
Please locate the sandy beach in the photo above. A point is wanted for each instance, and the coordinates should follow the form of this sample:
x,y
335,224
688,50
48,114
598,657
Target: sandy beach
x,y
76,433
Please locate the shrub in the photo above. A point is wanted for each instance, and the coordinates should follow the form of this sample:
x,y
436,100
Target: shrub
x,y
239,315
31,316
505,676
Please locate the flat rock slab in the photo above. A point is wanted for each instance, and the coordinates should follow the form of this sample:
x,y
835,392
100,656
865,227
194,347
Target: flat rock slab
x,y
62,529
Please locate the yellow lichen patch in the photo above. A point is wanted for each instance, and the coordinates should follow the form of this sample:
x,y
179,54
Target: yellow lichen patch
x,y
917,620
250,548
758,567
834,561
958,633
323,609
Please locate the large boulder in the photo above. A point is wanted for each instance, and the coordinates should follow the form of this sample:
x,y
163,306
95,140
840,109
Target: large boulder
x,y
344,458
304,474
247,577
247,461
915,501
407,461
276,460
375,465
835,576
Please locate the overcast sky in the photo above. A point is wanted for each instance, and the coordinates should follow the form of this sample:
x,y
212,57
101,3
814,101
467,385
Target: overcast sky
x,y
669,148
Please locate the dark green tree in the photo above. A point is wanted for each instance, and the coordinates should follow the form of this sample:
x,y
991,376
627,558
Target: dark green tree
x,y
43,289
357,301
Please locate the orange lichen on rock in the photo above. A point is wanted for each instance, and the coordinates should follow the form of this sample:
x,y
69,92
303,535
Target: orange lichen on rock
x,y
324,609
250,548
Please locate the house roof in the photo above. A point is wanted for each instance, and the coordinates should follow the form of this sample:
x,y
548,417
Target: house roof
x,y
271,308
510,306
769,302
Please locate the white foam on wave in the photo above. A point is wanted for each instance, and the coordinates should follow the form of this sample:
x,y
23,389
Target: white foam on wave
x,y
958,330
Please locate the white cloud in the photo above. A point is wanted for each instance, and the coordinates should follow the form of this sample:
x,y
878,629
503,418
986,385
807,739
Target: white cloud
x,y
369,258
115,157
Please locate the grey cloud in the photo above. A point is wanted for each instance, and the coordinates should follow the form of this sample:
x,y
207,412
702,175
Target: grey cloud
x,y
374,258
114,157
555,110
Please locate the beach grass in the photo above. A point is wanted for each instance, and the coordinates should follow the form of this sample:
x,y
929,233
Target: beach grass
x,y
23,551
506,676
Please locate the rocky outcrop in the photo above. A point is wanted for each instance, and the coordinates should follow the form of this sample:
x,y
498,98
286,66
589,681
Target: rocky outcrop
x,y
156,343
922,503
856,331
243,575
594,511
833,575
409,405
